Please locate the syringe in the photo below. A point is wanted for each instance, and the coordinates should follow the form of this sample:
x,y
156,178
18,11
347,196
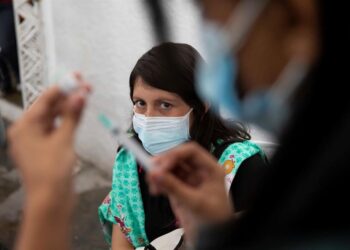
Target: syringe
x,y
68,84
128,142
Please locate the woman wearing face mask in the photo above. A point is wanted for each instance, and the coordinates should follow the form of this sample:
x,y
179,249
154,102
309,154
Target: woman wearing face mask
x,y
282,61
167,114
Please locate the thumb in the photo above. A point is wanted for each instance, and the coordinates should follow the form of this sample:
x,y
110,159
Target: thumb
x,y
71,115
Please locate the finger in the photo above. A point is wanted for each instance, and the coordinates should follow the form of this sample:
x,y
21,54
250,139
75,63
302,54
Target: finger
x,y
71,115
41,109
152,187
78,75
56,109
81,82
185,173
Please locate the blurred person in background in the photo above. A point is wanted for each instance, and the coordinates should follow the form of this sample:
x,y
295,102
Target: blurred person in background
x,y
285,65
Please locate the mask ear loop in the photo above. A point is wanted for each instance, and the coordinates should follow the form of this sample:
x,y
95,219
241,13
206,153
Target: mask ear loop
x,y
274,104
189,112
241,22
289,80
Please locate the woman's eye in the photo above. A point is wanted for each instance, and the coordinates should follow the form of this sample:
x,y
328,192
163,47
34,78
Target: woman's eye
x,y
139,104
165,105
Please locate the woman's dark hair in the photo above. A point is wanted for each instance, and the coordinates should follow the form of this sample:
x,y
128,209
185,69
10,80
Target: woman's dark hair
x,y
155,69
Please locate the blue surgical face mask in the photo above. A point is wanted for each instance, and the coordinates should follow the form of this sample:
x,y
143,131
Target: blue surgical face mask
x,y
217,77
159,134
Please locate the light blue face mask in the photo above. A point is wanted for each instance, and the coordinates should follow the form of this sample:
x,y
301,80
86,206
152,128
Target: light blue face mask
x,y
220,68
217,78
159,134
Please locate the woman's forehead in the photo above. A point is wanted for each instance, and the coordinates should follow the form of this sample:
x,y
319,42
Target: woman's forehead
x,y
144,90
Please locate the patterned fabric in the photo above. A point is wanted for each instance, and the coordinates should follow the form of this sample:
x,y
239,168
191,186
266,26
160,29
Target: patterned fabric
x,y
234,155
123,205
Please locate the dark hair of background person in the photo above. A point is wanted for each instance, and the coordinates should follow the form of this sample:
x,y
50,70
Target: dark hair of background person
x,y
152,67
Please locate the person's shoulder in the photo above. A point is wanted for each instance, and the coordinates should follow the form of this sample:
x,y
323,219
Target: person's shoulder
x,y
123,154
239,152
243,148
124,162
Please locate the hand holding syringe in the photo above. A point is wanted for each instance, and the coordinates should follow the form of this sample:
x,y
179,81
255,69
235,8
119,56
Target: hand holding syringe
x,y
68,84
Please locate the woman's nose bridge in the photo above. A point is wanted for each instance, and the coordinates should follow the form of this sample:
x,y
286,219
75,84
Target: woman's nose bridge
x,y
151,111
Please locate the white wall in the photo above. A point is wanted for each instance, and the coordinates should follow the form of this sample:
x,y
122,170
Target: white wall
x,y
103,39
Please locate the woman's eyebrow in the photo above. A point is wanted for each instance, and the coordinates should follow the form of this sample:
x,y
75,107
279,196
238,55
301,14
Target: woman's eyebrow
x,y
160,99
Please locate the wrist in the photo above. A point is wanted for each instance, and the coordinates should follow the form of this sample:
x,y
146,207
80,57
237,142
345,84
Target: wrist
x,y
47,189
224,212
50,200
46,217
